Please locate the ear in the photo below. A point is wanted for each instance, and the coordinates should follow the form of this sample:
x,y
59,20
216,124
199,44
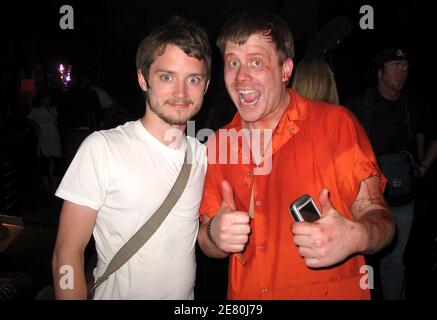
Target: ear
x,y
287,69
379,73
206,87
141,81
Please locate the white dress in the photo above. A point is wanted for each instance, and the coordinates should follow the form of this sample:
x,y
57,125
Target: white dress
x,y
49,141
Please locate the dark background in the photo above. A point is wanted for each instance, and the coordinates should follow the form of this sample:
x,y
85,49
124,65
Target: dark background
x,y
106,35
102,46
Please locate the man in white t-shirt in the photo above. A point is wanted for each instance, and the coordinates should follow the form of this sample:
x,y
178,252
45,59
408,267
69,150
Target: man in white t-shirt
x,y
119,177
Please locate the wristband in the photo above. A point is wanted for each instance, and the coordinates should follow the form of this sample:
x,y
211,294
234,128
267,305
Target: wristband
x,y
208,231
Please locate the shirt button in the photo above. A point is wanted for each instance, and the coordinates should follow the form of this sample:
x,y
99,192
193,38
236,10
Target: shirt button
x,y
250,173
258,203
261,247
264,290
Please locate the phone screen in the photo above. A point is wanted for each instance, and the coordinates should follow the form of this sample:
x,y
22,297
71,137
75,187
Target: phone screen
x,y
309,212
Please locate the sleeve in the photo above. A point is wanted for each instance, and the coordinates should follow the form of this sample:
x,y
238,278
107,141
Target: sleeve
x,y
212,197
354,158
86,180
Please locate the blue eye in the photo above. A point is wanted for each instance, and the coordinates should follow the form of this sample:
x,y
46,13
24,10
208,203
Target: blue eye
x,y
166,77
193,80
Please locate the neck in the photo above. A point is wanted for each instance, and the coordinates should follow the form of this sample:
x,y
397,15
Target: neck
x,y
169,135
388,93
271,120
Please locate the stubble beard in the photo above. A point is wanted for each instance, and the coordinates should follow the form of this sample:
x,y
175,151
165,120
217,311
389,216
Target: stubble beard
x,y
180,119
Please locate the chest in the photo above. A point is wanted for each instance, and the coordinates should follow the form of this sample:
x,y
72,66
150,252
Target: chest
x,y
303,165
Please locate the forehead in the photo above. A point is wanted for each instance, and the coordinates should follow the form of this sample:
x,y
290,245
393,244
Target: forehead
x,y
396,63
255,44
176,60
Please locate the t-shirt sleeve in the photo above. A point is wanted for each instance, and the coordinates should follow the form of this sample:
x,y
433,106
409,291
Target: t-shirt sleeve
x,y
353,157
86,180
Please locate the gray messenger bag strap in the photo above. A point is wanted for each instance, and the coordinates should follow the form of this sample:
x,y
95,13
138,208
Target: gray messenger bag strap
x,y
149,228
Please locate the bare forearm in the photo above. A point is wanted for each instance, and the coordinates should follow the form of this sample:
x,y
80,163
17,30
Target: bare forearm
x,y
375,221
431,154
69,276
207,246
377,230
420,141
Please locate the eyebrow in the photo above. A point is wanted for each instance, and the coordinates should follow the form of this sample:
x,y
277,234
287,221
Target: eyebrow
x,y
264,56
202,75
258,51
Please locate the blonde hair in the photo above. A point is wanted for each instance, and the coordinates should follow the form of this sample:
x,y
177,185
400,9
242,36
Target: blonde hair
x,y
314,80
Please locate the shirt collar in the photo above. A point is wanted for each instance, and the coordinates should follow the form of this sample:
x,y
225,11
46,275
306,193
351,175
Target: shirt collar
x,y
297,110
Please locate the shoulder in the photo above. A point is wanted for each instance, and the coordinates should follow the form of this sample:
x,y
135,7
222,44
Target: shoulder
x,y
102,140
95,146
115,135
325,112
333,123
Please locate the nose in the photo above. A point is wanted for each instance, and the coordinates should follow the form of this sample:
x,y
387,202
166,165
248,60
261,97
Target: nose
x,y
243,74
180,89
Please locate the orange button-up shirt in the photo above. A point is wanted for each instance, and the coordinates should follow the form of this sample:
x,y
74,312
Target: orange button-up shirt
x,y
314,145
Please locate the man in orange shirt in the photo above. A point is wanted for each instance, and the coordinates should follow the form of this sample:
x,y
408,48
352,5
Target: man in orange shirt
x,y
308,147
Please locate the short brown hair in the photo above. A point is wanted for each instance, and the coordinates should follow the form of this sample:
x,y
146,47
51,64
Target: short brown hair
x,y
244,24
187,35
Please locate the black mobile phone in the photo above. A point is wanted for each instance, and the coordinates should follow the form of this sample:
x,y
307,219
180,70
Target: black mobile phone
x,y
304,209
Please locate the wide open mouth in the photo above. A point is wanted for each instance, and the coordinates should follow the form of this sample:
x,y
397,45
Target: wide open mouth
x,y
249,96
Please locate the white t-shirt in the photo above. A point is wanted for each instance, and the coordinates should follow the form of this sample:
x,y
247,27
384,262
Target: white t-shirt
x,y
125,174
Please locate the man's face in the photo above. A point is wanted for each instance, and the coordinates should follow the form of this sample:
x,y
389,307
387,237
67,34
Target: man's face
x,y
394,74
254,79
177,84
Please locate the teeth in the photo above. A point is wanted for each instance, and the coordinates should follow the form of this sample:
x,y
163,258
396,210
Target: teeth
x,y
248,91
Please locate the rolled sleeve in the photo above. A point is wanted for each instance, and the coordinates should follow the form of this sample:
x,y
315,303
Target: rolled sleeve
x,y
354,157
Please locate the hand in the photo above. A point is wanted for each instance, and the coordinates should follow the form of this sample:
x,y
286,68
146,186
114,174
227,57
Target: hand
x,y
7,290
230,228
421,171
327,241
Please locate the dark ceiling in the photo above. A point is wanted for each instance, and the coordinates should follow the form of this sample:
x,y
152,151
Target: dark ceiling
x,y
106,33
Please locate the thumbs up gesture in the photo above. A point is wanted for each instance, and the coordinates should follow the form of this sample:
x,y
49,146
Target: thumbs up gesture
x,y
230,228
327,241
